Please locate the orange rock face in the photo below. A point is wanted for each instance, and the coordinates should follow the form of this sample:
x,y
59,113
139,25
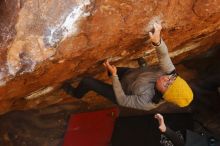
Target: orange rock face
x,y
43,43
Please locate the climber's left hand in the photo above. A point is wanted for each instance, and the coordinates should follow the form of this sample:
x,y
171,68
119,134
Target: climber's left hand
x,y
111,68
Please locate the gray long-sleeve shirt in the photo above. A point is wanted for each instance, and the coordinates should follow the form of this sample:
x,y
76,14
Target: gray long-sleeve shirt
x,y
136,89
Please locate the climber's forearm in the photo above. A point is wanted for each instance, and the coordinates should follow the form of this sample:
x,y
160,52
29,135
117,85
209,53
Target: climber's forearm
x,y
164,58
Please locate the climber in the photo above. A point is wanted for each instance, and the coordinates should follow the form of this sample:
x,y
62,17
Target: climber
x,y
140,88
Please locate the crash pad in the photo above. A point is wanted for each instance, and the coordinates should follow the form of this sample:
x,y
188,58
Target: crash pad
x,y
91,128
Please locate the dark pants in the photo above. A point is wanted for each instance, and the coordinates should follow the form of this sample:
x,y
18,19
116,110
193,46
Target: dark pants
x,y
88,83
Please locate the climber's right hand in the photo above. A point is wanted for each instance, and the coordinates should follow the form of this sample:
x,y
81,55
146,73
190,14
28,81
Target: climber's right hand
x,y
155,36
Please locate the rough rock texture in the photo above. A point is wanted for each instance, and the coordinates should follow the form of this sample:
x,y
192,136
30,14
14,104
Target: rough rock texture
x,y
43,42
46,126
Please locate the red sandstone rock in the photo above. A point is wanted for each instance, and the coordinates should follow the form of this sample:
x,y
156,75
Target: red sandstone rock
x,y
43,43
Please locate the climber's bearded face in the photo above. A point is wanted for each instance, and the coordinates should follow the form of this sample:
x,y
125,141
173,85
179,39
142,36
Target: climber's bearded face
x,y
163,82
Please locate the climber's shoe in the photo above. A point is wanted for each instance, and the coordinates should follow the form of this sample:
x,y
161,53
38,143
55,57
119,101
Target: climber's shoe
x,y
68,88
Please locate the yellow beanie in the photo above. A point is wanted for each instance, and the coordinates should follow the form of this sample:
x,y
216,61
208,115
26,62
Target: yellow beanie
x,y
179,93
